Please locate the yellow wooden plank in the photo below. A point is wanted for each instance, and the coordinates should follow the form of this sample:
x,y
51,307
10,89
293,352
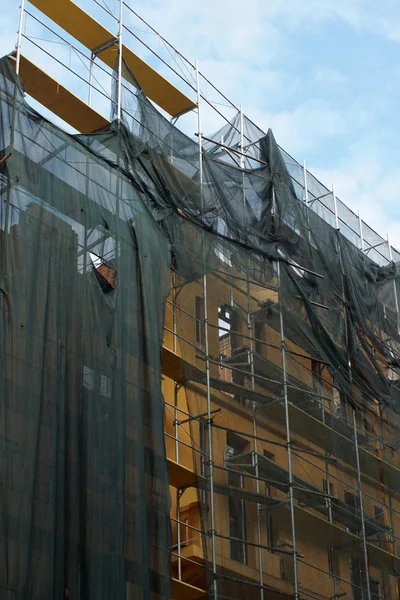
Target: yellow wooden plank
x,y
92,34
185,591
59,99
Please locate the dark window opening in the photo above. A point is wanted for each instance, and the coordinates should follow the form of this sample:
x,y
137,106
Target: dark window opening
x,y
236,446
259,337
339,403
200,320
374,585
329,491
353,502
270,456
270,534
356,579
203,435
227,323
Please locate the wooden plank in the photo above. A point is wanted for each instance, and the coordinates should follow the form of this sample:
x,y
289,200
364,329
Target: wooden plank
x,y
172,365
59,99
185,591
92,34
180,476
333,535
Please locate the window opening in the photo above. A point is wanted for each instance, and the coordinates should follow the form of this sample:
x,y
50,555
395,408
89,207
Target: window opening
x,y
269,520
199,319
105,273
236,506
356,579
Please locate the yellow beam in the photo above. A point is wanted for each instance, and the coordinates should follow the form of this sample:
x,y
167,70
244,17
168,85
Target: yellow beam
x,y
172,365
180,476
91,34
185,591
59,99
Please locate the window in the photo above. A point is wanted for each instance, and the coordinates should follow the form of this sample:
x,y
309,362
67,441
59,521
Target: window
x,y
199,319
95,382
356,579
259,336
317,368
270,456
228,322
225,341
270,534
88,378
329,491
353,502
203,439
184,531
339,404
236,446
374,585
105,386
204,466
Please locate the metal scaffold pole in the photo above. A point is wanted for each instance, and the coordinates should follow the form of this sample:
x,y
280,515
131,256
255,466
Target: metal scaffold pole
x,y
91,65
305,182
251,329
396,300
288,435
360,224
362,513
355,432
120,30
207,353
19,37
335,207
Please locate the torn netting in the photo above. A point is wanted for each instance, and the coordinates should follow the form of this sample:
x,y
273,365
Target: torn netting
x,y
84,278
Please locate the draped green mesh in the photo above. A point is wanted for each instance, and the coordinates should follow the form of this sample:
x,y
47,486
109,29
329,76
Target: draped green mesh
x,y
84,277
90,227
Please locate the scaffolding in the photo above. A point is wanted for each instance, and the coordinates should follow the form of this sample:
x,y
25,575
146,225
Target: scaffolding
x,y
286,469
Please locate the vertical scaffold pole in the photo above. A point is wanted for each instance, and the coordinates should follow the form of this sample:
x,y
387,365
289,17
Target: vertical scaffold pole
x,y
92,58
355,432
120,30
362,513
19,37
396,300
178,526
361,232
305,182
207,351
335,207
251,329
288,436
392,529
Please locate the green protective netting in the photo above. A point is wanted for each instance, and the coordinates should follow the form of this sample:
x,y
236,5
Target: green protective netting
x,y
87,225
348,302
84,495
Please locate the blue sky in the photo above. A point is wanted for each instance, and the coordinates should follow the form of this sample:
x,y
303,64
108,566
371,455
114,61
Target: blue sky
x,y
323,74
